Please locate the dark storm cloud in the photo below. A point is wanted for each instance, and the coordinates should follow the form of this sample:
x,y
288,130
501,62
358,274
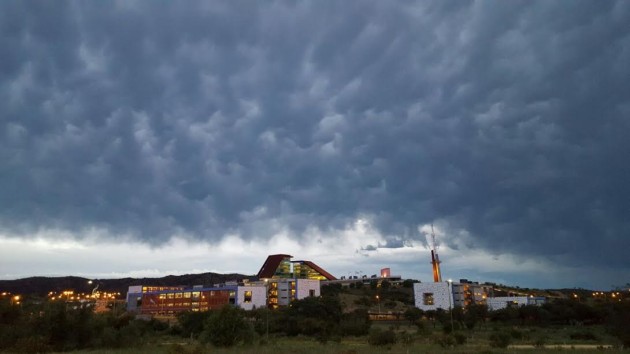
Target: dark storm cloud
x,y
506,119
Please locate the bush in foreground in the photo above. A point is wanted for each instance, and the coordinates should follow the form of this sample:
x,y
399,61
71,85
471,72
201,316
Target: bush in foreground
x,y
500,340
227,327
379,337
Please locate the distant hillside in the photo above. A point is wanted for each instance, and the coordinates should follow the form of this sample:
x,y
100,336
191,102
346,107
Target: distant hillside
x,y
40,286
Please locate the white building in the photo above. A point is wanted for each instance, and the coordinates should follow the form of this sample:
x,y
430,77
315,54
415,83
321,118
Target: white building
x,y
445,295
283,291
433,296
497,303
249,297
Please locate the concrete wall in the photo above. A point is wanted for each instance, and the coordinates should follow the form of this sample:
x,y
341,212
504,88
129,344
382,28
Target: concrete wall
x,y
259,296
133,294
441,292
304,287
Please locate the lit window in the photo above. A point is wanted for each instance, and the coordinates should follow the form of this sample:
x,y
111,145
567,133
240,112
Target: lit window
x,y
187,295
178,295
248,296
170,296
195,294
427,299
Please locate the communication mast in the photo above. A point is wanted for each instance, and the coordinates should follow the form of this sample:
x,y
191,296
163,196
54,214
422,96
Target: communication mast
x,y
435,259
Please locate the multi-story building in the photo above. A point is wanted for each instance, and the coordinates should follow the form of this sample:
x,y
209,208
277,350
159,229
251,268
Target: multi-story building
x,y
281,292
446,295
467,293
280,266
288,280
172,300
281,281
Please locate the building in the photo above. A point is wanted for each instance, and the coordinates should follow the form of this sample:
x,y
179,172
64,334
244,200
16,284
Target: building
x,y
280,266
281,281
433,296
288,280
281,292
498,303
467,293
385,275
445,295
168,301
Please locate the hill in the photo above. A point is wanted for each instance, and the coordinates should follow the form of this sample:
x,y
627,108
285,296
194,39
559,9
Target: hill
x,y
40,286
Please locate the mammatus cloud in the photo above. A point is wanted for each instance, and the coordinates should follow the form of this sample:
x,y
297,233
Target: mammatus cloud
x,y
506,121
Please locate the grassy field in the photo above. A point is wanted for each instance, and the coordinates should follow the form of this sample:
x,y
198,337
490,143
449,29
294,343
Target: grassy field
x,y
554,339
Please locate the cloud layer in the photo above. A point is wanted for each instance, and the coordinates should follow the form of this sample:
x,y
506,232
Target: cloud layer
x,y
504,121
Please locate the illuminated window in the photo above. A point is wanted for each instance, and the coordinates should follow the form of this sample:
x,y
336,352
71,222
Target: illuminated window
x,y
162,296
170,296
248,296
427,298
178,295
187,295
232,295
195,294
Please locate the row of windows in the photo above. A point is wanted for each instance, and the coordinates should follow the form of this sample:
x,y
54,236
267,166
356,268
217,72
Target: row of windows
x,y
189,294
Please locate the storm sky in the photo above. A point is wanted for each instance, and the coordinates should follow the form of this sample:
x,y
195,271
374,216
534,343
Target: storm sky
x,y
152,138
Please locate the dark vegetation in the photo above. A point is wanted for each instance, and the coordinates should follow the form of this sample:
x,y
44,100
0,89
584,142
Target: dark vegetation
x,y
38,326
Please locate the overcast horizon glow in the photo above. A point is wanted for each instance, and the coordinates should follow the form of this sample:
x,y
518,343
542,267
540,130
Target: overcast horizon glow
x,y
139,139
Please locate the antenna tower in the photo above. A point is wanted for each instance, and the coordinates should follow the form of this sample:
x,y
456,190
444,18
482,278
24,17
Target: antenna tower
x,y
435,259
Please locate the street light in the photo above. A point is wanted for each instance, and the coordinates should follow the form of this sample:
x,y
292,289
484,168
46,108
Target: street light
x,y
378,300
450,304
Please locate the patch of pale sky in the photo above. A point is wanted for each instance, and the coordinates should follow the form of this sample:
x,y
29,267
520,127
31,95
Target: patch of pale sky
x,y
51,253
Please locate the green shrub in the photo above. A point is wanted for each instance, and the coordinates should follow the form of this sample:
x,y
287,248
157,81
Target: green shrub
x,y
356,323
34,344
460,338
516,334
379,337
584,335
540,342
500,340
445,341
227,327
406,338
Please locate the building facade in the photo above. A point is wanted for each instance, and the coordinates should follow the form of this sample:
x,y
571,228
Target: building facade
x,y
281,292
280,266
445,295
172,300
498,303
433,296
